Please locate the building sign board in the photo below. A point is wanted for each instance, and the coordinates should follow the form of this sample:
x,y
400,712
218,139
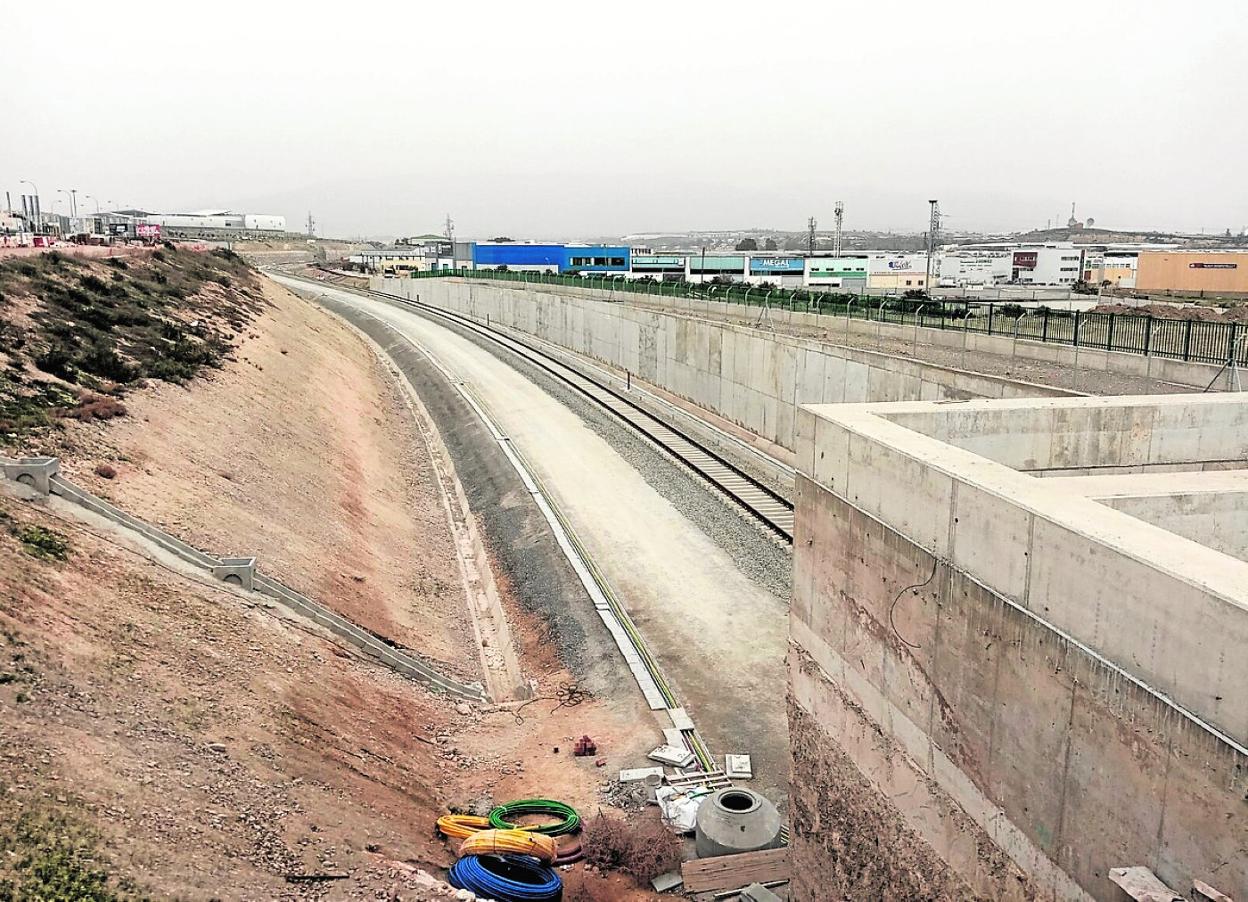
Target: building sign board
x,y
1213,266
1026,259
147,230
794,265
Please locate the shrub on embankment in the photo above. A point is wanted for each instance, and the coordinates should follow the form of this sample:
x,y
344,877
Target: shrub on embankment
x,y
77,334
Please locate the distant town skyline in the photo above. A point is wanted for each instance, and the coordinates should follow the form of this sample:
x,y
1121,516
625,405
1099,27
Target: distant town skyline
x,y
599,123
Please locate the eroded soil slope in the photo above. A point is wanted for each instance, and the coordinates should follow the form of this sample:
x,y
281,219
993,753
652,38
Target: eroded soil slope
x,y
302,453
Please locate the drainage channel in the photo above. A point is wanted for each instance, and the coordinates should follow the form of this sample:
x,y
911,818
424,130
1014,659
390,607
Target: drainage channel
x,y
641,663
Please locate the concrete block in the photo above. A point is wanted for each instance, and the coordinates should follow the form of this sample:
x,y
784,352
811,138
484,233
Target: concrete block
x,y
36,472
680,720
756,892
239,571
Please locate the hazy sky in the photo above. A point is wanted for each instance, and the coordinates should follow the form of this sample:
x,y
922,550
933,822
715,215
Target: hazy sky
x,y
582,119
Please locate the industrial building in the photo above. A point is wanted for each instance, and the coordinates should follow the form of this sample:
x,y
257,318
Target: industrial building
x,y
1193,273
897,273
783,271
847,272
1002,264
211,224
555,258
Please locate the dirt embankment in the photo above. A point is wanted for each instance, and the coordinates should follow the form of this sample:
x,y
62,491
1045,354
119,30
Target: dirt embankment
x,y
1201,313
169,736
303,454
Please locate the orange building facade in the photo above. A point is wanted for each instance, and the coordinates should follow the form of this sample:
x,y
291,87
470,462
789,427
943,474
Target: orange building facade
x,y
1200,273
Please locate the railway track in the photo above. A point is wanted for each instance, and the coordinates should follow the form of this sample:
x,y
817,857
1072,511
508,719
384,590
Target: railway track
x,y
760,501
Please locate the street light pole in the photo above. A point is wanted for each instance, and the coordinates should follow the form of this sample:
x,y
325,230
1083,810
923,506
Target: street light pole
x,y
70,197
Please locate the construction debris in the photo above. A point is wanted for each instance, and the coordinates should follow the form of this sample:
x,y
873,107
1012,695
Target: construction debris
x,y
665,882
584,747
680,807
729,871
631,796
738,767
629,775
1142,885
756,892
676,756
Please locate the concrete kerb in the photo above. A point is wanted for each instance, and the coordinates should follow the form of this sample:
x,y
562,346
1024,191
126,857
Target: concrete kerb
x,y
238,571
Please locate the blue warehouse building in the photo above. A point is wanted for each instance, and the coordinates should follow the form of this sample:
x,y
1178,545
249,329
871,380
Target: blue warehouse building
x,y
587,258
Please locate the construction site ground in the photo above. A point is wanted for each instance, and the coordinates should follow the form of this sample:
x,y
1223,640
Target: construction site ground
x,y
715,623
205,744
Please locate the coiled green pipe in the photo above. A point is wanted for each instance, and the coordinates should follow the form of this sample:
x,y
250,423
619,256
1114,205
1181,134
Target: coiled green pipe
x,y
569,822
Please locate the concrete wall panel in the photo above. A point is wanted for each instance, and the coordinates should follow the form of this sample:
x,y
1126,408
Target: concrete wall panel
x,y
707,361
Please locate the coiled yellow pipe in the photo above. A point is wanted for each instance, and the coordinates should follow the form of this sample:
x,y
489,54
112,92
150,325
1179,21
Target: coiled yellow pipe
x,y
462,826
515,842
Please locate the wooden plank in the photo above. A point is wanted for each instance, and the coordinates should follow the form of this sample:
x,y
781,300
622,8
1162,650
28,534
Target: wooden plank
x,y
735,871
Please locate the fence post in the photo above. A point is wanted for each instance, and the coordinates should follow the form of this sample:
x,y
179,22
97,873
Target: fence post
x,y
1230,344
1187,342
1044,331
1148,335
1109,334
990,317
1076,336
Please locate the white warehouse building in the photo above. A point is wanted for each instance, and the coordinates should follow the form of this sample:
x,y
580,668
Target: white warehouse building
x,y
211,221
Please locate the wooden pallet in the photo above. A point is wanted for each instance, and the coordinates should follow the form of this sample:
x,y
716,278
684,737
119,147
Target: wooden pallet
x,y
734,871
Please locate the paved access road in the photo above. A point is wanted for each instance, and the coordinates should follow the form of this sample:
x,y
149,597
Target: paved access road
x,y
719,636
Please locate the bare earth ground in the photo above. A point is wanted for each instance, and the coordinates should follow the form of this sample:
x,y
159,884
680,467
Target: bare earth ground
x,y
303,454
216,744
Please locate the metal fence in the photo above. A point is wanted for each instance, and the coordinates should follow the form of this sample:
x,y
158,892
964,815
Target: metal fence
x,y
1202,341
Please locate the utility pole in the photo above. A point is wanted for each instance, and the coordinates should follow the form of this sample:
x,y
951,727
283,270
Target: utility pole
x,y
839,212
933,228
810,240
450,231
311,225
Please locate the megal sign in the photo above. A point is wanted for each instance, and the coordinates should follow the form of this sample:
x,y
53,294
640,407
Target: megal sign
x,y
1213,266
1026,259
777,264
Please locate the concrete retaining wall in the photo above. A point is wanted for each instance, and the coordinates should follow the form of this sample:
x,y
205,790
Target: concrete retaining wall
x,y
752,377
1197,375
1023,764
1039,687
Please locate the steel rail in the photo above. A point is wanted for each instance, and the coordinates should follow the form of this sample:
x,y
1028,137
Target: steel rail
x,y
755,497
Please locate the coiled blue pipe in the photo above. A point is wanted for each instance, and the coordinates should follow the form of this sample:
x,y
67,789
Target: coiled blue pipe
x,y
507,878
